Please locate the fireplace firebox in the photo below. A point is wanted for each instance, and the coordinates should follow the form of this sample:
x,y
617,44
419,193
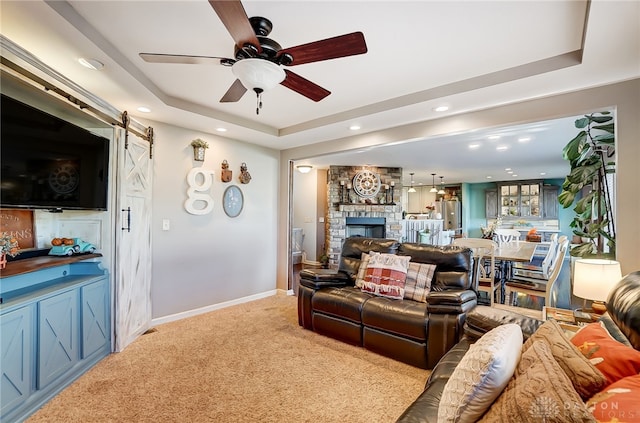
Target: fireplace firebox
x,y
369,227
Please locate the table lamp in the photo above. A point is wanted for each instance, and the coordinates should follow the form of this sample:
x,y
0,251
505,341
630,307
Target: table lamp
x,y
593,279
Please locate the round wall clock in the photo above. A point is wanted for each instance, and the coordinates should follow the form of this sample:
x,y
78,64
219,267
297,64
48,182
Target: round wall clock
x,y
232,201
366,184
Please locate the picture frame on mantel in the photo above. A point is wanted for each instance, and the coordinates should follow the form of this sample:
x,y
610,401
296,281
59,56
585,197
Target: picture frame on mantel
x,y
20,224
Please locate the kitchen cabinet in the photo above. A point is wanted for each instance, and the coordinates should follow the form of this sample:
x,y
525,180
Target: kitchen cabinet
x,y
55,325
550,202
491,203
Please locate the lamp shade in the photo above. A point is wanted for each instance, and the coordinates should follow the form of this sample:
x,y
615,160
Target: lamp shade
x,y
593,279
258,73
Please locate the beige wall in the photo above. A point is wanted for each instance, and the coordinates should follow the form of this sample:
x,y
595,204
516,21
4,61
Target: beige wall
x,y
625,97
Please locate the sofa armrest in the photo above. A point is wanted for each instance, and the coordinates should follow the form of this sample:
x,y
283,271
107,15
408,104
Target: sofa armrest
x,y
452,301
482,319
323,278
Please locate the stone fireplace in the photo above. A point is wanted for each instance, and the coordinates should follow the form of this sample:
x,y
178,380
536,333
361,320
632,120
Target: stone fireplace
x,y
349,215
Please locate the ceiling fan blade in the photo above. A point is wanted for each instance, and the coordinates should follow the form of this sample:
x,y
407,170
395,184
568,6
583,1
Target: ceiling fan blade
x,y
303,86
234,18
184,59
234,93
331,48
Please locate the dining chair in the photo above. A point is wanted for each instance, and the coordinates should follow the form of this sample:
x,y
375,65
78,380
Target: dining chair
x,y
484,255
536,268
538,287
506,235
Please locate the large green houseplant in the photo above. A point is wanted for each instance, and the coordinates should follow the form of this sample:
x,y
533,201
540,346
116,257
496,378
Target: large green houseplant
x,y
590,155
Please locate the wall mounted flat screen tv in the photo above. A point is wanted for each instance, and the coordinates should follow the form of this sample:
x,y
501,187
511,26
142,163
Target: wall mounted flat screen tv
x,y
49,163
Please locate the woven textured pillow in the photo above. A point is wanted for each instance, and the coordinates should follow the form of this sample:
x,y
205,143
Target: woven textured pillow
x,y
585,377
418,283
481,375
386,274
539,391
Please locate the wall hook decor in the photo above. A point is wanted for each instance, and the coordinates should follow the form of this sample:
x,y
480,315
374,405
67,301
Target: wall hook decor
x,y
226,173
199,146
245,177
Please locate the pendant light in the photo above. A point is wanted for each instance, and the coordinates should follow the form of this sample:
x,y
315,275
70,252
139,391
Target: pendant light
x,y
441,191
433,183
411,188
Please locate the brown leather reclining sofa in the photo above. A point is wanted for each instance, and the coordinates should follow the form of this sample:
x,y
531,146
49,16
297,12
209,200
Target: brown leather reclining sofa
x,y
413,332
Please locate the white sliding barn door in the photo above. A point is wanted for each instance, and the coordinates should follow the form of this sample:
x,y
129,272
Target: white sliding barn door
x,y
132,296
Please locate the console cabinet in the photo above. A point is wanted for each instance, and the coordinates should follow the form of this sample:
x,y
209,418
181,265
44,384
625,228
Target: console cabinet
x,y
54,326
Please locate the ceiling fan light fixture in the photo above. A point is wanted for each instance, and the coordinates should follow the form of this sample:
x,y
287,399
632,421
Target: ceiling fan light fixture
x,y
258,74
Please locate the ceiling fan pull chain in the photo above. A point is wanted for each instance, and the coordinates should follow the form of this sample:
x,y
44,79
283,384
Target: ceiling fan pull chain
x,y
258,100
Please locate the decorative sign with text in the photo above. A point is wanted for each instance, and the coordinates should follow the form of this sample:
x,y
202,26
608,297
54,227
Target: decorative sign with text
x,y
19,224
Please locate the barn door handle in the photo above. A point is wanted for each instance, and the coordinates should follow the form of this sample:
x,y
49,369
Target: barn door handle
x,y
128,219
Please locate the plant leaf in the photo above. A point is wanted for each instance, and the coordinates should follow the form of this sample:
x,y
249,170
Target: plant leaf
x,y
566,199
582,122
600,119
608,139
610,127
571,151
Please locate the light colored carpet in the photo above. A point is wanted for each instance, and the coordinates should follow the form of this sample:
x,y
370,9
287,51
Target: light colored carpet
x,y
246,363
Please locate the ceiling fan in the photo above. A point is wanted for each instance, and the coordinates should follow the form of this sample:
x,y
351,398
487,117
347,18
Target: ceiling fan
x,y
258,60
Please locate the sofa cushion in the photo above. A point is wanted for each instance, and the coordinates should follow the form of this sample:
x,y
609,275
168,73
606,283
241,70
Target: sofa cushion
x,y
586,378
386,275
404,318
539,391
418,282
614,359
482,374
345,303
618,402
482,319
453,263
623,306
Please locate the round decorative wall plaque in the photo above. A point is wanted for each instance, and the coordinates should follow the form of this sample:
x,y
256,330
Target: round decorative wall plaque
x,y
232,201
366,184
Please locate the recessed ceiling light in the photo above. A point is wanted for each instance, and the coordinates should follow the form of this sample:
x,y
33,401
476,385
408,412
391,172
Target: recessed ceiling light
x,y
354,127
507,168
143,109
442,108
489,176
493,137
93,64
509,171
502,147
221,129
514,175
543,173
524,139
474,146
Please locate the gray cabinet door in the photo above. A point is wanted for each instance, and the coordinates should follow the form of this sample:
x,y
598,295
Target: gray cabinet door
x,y
16,332
96,333
491,203
550,202
58,336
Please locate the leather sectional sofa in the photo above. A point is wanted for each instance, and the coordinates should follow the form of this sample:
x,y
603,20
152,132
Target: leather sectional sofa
x,y
414,332
622,323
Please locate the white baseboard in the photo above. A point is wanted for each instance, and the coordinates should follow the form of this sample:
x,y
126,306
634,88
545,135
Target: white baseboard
x,y
190,313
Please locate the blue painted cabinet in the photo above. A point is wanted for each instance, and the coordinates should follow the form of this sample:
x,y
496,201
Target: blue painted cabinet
x,y
55,324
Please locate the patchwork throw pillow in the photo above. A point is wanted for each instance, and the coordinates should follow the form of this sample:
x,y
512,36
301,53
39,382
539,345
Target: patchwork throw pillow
x,y
586,378
538,392
614,359
481,375
418,283
386,275
619,402
364,262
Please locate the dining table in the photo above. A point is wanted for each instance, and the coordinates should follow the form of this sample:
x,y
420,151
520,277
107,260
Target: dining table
x,y
509,252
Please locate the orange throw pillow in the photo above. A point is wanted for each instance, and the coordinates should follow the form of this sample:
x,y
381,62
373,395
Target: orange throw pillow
x,y
614,359
619,402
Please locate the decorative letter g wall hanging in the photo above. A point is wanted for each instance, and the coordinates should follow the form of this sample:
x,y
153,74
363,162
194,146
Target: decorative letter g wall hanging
x,y
199,181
